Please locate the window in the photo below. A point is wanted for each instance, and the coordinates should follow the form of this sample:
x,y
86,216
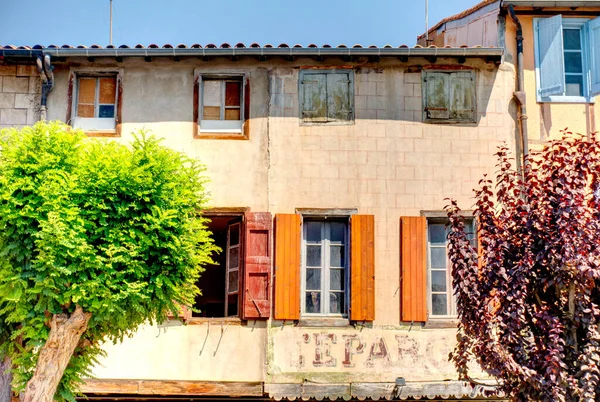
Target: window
x,y
449,97
237,285
325,268
96,103
567,55
326,96
223,107
440,292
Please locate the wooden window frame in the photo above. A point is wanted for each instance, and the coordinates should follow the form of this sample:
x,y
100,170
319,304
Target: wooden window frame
x,y
243,76
311,71
449,120
72,92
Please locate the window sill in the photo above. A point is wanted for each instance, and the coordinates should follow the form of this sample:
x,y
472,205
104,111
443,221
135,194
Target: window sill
x,y
221,136
102,133
566,99
214,320
324,322
326,123
439,323
449,121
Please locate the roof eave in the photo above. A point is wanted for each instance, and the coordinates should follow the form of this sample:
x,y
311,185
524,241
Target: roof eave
x,y
551,3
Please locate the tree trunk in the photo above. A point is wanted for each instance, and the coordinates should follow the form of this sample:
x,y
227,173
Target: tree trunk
x,y
55,355
5,381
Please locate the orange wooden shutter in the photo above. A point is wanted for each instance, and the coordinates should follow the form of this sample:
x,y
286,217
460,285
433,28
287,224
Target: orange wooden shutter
x,y
257,267
287,266
362,268
413,268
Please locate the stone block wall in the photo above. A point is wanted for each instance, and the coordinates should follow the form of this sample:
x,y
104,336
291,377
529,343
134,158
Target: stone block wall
x,y
20,92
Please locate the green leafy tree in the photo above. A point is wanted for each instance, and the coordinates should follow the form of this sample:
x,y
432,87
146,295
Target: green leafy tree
x,y
96,238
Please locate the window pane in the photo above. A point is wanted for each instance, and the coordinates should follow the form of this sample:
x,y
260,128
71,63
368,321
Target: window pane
x,y
85,110
233,281
336,279
234,258
108,90
211,113
313,256
234,235
232,93
574,85
336,303
212,93
337,232
233,114
438,281
87,90
438,257
106,111
313,279
437,233
336,256
572,39
313,302
573,62
313,232
439,304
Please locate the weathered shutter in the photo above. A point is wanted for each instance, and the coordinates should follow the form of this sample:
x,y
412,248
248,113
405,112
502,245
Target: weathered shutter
x,y
436,89
339,107
257,267
413,269
287,266
550,54
314,97
593,30
362,268
462,96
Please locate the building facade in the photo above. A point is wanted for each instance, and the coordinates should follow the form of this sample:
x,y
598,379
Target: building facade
x,y
328,172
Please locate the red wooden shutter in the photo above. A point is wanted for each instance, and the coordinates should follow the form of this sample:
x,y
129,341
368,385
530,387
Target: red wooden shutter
x,y
362,268
413,268
184,313
287,266
257,267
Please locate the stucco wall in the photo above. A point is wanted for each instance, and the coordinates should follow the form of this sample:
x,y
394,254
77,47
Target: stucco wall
x,y
19,95
387,163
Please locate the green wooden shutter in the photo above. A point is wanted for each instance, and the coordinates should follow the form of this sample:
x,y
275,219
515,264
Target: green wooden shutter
x,y
593,31
339,106
550,57
314,97
462,99
436,95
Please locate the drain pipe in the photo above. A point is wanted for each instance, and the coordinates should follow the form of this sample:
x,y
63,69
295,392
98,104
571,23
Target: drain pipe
x,y
45,70
519,94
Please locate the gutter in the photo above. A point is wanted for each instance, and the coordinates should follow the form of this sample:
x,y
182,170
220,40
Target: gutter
x,y
541,3
283,52
45,69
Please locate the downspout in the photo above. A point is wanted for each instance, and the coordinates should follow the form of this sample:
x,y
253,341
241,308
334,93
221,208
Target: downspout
x,y
45,70
519,94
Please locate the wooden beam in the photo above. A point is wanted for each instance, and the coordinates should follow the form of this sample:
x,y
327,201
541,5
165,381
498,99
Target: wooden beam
x,y
160,387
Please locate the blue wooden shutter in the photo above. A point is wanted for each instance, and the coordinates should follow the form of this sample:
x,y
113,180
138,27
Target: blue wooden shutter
x,y
462,96
314,97
550,54
436,91
593,31
338,97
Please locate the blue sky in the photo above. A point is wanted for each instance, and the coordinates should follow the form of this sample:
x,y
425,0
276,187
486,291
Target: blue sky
x,y
379,22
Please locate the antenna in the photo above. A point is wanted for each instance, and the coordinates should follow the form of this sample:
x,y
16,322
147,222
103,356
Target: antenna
x,y
426,22
110,23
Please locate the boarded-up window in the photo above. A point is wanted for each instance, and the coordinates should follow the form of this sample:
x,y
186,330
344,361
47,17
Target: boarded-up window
x,y
449,97
95,102
326,96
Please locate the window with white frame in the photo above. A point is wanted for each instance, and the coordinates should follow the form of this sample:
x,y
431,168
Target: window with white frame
x,y
567,56
221,104
439,276
95,102
325,268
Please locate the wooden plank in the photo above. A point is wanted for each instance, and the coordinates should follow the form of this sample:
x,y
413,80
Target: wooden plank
x,y
413,269
362,270
256,303
287,266
160,387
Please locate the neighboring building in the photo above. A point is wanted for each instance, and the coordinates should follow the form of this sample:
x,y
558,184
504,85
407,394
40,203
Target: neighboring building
x,y
560,63
329,168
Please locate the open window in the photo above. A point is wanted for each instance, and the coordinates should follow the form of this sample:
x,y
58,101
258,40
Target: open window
x,y
237,285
